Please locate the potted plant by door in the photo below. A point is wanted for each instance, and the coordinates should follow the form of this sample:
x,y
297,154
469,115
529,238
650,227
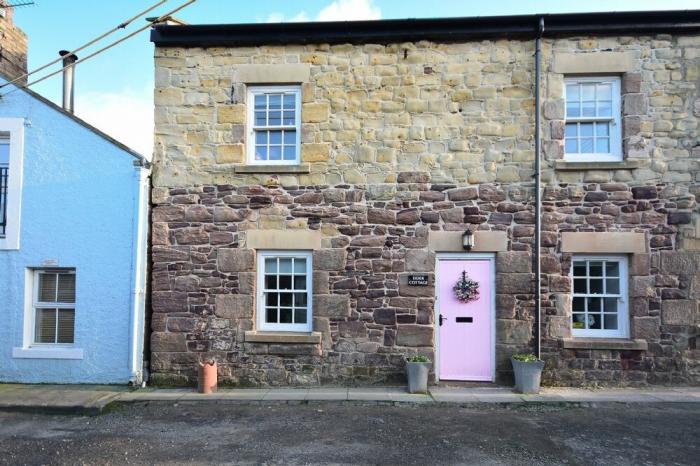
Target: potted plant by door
x,y
417,368
528,372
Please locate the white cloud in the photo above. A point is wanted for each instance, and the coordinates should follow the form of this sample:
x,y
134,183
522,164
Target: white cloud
x,y
279,18
127,116
339,10
349,10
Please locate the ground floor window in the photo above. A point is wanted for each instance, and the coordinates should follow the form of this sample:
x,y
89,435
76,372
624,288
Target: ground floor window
x,y
284,291
54,306
599,307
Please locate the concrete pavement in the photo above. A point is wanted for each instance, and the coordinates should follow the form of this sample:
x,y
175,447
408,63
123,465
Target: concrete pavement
x,y
92,399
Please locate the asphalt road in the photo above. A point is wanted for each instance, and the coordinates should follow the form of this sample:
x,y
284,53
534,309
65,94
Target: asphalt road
x,y
185,433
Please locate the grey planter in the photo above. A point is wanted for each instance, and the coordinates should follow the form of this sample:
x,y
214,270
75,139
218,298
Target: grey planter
x,y
528,376
417,374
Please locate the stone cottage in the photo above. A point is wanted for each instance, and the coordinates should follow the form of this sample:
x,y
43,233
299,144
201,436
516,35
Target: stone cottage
x,y
321,189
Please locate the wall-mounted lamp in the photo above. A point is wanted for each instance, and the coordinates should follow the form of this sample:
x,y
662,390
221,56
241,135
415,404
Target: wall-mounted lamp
x,y
468,239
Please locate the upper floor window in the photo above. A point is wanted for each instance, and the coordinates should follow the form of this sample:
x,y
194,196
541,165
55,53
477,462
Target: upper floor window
x,y
11,162
54,306
600,297
593,130
284,284
274,125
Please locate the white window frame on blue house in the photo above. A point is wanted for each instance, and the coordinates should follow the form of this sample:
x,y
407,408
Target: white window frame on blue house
x,y
13,129
267,129
30,349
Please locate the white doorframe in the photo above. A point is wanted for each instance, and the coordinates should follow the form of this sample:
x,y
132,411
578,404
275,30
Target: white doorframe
x,y
491,257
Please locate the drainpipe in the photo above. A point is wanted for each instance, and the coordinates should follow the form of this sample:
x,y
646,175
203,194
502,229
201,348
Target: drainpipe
x,y
538,197
68,80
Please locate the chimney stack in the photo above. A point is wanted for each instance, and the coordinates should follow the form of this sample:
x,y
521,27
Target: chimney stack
x,y
68,80
13,46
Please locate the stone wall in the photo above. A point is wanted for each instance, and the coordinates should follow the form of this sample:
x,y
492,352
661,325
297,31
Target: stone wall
x,y
404,139
203,279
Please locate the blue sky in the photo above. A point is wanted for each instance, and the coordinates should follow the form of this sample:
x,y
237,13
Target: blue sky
x,y
114,90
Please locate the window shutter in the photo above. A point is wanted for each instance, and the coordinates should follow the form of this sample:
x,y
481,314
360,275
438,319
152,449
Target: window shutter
x,y
66,324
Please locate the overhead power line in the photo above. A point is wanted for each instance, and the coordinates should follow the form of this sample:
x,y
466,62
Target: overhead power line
x,y
107,47
121,25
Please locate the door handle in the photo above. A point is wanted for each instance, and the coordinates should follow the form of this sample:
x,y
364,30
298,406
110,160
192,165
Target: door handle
x,y
441,319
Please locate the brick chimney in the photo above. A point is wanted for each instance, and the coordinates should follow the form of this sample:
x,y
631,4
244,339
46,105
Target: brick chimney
x,y
13,46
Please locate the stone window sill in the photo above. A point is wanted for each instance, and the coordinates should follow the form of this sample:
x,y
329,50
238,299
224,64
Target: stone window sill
x,y
312,338
604,344
272,169
623,165
47,353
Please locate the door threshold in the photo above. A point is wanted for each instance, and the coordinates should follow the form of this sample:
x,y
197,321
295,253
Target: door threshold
x,y
464,383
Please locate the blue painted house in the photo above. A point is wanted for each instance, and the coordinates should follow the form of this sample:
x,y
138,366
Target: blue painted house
x,y
73,240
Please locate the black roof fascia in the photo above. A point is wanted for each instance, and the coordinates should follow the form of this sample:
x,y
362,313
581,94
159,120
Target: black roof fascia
x,y
434,29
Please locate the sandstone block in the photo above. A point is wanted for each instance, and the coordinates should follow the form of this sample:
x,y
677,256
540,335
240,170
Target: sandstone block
x,y
631,83
646,328
332,305
408,217
315,152
679,311
634,104
167,342
385,316
314,112
642,287
419,260
677,262
234,306
195,235
231,114
513,262
514,283
329,259
414,335
515,332
382,216
352,329
198,213
235,260
413,177
169,301
230,153
460,194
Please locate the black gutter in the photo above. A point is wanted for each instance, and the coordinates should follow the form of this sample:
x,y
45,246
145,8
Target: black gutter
x,y
434,29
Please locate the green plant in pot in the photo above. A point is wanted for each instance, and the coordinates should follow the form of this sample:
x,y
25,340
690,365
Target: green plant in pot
x,y
527,369
417,370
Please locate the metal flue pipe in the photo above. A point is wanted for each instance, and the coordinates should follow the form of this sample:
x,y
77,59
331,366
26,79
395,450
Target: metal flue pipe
x,y
69,60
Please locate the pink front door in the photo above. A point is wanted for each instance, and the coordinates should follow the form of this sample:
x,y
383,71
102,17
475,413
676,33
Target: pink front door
x,y
466,335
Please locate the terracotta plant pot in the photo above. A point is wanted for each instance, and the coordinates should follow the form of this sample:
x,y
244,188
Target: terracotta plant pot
x,y
207,379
